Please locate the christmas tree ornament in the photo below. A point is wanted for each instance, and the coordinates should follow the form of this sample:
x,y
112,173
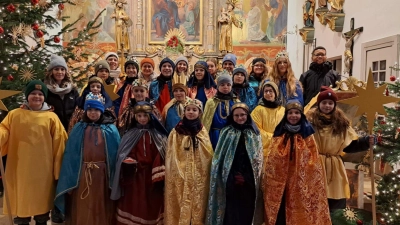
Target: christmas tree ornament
x,y
56,39
61,6
39,33
4,94
359,222
34,2
27,74
11,8
15,33
387,92
10,77
35,26
1,30
392,78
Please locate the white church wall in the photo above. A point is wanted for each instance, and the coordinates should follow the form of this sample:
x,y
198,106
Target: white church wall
x,y
380,19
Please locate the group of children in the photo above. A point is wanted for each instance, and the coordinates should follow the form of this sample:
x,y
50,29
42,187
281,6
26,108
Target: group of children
x,y
186,150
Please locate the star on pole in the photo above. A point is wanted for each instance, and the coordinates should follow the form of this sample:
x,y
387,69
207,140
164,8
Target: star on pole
x,y
5,94
109,88
370,100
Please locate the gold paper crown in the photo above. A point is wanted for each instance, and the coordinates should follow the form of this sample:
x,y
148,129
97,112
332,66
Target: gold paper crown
x,y
283,54
140,83
95,79
240,105
294,105
142,108
181,86
194,102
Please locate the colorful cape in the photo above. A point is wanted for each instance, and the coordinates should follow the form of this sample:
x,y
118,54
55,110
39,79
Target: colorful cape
x,y
187,176
221,165
209,110
129,140
301,180
72,161
248,96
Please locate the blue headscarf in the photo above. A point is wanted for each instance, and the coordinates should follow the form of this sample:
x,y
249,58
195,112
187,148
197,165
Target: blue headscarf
x,y
208,80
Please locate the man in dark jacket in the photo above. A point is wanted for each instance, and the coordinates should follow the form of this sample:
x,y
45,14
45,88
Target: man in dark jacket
x,y
319,74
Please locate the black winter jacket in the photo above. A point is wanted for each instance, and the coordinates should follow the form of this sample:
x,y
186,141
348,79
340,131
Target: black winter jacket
x,y
315,77
64,108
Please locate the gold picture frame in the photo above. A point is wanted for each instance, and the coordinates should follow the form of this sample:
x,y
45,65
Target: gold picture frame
x,y
186,17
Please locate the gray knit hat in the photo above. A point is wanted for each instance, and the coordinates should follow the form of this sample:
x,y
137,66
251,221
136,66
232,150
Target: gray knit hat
x,y
224,79
181,58
240,70
100,65
55,61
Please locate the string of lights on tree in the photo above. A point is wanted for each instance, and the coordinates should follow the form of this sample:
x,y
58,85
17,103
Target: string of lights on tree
x,y
27,45
388,150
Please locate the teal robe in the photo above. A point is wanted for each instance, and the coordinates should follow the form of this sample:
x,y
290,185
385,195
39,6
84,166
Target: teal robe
x,y
221,166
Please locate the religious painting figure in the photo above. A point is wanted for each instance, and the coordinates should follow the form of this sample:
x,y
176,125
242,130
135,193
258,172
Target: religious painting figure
x,y
189,19
308,13
277,23
122,21
348,55
165,17
253,20
226,19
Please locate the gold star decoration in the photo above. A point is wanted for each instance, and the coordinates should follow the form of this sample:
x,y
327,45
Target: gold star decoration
x,y
5,94
370,100
15,33
27,74
110,91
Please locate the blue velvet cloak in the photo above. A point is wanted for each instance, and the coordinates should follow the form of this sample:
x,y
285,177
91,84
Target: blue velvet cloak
x,y
73,156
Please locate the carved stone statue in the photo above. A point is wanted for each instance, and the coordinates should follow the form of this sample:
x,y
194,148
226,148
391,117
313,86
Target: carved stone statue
x,y
226,19
336,5
348,55
308,13
122,22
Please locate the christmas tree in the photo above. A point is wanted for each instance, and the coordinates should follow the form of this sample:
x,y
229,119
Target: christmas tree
x,y
388,151
26,45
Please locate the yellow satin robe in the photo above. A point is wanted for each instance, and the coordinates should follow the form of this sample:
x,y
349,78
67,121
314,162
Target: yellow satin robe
x,y
330,149
266,120
187,178
34,143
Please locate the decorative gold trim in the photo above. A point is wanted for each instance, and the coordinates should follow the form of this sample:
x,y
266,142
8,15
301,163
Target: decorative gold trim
x,y
240,105
303,34
331,22
349,83
321,17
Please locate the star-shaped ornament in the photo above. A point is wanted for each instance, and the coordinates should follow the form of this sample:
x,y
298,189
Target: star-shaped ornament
x,y
370,100
5,94
110,91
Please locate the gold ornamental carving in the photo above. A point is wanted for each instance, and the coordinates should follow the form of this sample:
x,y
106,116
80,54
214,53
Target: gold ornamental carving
x,y
349,84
